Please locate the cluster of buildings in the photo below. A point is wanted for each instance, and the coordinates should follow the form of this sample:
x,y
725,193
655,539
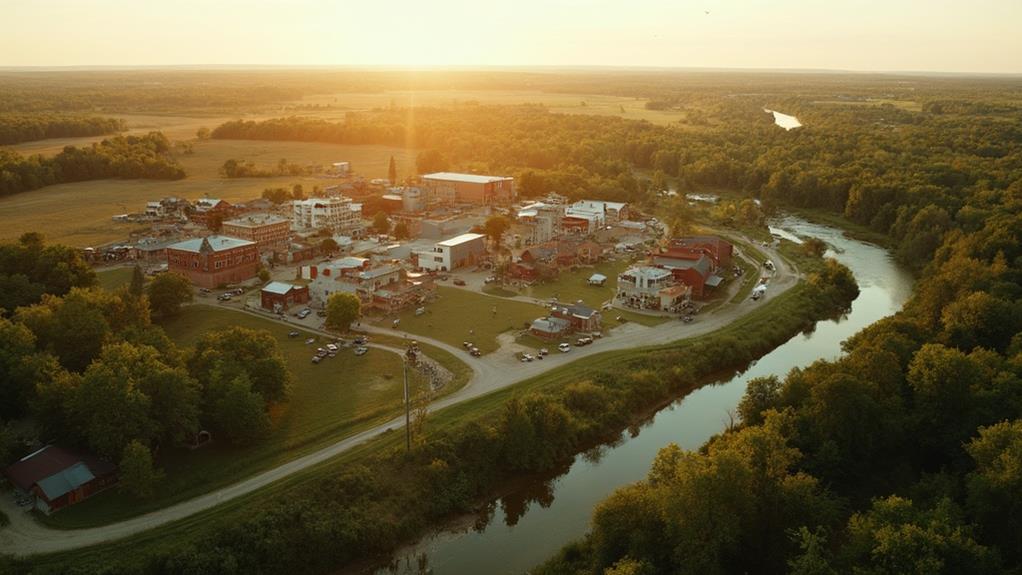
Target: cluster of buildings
x,y
689,267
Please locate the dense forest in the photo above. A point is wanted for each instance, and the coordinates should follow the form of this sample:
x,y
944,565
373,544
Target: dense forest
x,y
145,157
28,128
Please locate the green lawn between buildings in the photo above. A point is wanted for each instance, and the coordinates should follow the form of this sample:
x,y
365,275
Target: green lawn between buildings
x,y
460,315
195,527
112,279
330,401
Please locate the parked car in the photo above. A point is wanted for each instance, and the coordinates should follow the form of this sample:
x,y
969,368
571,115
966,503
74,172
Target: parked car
x,y
316,359
564,347
361,340
332,347
310,341
490,280
304,313
583,341
475,352
459,282
466,344
527,357
361,350
224,297
204,290
293,333
543,351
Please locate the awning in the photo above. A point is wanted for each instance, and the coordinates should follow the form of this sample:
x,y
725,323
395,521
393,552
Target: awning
x,y
714,280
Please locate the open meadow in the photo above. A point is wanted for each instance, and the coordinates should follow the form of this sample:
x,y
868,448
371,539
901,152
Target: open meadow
x,y
331,400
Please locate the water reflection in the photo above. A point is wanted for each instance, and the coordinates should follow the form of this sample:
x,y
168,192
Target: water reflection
x,y
542,514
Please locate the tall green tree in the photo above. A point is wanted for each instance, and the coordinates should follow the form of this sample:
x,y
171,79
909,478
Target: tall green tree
x,y
392,171
381,223
341,310
137,286
236,351
495,227
167,292
137,473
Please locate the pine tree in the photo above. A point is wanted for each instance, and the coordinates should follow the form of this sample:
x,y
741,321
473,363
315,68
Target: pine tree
x,y
137,282
392,171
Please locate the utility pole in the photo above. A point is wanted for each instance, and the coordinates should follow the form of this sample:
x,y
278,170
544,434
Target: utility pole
x,y
409,359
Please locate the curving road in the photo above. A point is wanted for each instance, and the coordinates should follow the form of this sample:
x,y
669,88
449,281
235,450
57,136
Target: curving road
x,y
24,536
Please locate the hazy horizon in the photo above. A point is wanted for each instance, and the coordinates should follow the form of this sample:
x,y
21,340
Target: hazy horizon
x,y
758,35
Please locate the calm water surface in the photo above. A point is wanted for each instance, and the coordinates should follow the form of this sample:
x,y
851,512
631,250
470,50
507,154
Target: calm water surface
x,y
529,525
785,121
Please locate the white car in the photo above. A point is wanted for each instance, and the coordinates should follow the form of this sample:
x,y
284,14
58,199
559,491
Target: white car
x,y
564,347
332,347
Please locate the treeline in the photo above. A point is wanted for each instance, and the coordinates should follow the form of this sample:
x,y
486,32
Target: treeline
x,y
128,157
92,370
240,169
902,456
28,128
911,175
372,507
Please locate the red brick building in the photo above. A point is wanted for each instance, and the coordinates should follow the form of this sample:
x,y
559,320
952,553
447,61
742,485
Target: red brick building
x,y
214,260
268,231
207,209
279,296
717,249
58,477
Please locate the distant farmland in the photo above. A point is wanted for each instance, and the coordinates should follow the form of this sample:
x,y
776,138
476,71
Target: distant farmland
x,y
79,214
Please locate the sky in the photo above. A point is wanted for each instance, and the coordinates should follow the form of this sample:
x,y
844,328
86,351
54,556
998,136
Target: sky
x,y
974,36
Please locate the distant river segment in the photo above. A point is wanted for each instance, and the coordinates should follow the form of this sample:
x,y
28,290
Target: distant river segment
x,y
783,120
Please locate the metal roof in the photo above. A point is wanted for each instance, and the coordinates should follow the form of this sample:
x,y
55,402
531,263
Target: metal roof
x,y
458,240
279,288
714,280
465,178
550,324
216,244
65,481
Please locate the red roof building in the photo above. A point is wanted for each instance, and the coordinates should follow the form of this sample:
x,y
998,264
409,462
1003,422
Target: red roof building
x,y
215,260
58,477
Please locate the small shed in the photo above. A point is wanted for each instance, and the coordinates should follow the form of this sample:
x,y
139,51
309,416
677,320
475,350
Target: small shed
x,y
549,327
278,296
597,280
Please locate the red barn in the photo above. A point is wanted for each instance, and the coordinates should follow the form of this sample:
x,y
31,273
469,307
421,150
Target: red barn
x,y
57,477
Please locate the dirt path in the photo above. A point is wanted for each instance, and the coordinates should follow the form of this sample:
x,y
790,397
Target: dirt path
x,y
24,536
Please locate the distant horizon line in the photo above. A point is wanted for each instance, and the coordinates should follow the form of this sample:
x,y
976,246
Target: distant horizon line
x,y
495,67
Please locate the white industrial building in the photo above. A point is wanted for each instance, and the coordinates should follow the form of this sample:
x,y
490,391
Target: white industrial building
x,y
454,253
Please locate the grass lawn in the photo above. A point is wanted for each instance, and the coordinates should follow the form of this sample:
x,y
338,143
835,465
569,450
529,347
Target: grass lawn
x,y
330,400
451,317
573,285
114,278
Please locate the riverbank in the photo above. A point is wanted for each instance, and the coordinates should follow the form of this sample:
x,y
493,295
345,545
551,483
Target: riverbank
x,y
465,454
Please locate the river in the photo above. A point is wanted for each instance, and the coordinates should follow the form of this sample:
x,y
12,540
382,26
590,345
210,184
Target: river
x,y
784,120
534,521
